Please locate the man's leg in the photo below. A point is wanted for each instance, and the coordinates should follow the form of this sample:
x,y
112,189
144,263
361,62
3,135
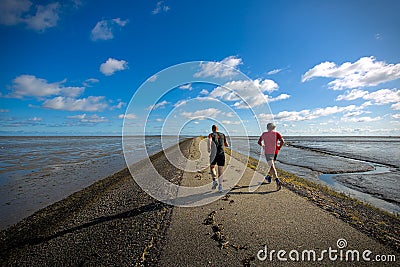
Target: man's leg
x,y
220,172
274,174
214,176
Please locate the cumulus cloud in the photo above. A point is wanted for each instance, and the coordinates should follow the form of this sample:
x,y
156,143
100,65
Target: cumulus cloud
x,y
180,103
129,116
247,93
160,7
104,29
91,103
36,17
396,106
231,122
89,82
186,87
203,114
278,98
275,71
112,65
89,119
360,119
221,69
31,86
204,92
396,116
383,96
158,105
352,95
380,97
366,71
119,105
307,114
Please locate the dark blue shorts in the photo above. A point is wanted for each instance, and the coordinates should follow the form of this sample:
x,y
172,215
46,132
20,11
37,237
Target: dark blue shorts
x,y
218,160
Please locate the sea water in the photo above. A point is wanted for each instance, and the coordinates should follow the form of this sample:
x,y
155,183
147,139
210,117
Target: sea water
x,y
38,171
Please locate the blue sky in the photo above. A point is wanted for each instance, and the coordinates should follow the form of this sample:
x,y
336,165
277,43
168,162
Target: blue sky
x,y
325,67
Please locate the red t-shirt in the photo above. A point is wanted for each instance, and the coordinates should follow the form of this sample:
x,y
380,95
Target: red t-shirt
x,y
270,140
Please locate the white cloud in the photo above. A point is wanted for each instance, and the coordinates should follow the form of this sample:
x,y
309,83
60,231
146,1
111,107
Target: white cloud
x,y
380,97
153,78
45,17
36,119
361,119
160,7
221,69
37,17
275,71
383,96
352,95
91,103
396,106
231,122
396,116
204,92
104,29
89,82
129,116
353,113
307,114
11,11
119,105
362,73
158,105
113,65
278,98
4,110
180,103
247,93
89,119
202,114
186,87
31,86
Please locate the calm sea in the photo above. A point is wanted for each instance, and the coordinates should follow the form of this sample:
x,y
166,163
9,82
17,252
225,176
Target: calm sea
x,y
38,171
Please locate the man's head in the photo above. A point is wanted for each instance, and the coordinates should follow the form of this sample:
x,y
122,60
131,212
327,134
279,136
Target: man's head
x,y
270,126
214,128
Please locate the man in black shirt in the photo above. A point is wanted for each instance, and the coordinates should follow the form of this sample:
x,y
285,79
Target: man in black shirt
x,y
216,143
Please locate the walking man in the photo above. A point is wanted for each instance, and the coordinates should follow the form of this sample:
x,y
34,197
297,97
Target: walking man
x,y
216,143
272,142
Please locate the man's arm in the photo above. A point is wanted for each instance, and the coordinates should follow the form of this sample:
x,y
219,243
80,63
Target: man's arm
x,y
259,141
281,142
209,143
226,141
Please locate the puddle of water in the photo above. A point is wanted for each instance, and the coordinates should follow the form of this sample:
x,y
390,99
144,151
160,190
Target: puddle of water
x,y
377,202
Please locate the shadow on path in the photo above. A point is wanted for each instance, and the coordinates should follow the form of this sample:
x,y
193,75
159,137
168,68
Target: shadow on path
x,y
34,240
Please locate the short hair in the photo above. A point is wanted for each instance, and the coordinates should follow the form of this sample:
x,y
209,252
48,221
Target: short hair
x,y
214,128
270,126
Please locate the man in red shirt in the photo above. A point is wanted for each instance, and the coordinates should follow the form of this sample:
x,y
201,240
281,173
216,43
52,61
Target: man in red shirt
x,y
269,141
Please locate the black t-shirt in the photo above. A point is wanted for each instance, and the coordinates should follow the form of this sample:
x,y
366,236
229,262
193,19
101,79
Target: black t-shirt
x,y
219,141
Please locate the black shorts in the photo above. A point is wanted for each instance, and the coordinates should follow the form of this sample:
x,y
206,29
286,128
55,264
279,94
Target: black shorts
x,y
270,157
218,160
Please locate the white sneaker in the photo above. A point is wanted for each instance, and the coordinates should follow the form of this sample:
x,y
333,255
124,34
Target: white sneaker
x,y
220,188
214,185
